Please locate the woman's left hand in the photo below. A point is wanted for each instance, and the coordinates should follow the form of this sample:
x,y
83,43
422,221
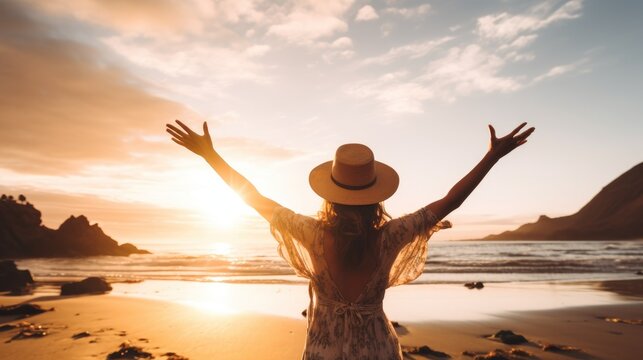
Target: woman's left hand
x,y
499,147
198,144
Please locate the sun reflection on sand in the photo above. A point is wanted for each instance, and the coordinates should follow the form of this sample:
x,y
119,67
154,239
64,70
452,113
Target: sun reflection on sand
x,y
215,298
410,303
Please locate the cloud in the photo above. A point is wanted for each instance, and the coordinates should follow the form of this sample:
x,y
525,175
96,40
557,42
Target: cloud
x,y
505,26
342,42
254,149
460,72
311,20
410,51
576,66
466,70
142,17
476,66
61,106
366,13
158,18
395,91
193,59
409,12
520,42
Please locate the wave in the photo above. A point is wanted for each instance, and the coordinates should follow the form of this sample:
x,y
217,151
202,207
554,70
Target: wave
x,y
445,259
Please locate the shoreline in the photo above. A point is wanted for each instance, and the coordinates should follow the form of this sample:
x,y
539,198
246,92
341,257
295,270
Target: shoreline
x,y
162,326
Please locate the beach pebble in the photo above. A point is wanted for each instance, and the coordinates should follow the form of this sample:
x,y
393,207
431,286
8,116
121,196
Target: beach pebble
x,y
499,354
508,337
424,350
22,309
622,321
559,348
81,335
90,285
29,330
7,327
174,356
474,285
520,352
127,351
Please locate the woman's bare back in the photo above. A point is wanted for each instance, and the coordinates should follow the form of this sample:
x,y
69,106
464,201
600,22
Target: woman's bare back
x,y
349,282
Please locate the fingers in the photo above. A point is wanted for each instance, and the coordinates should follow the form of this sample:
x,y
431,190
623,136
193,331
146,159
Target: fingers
x,y
178,142
525,134
185,127
515,131
177,134
492,131
177,131
206,132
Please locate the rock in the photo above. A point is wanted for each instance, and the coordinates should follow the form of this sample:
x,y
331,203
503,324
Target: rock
x,y
614,213
559,348
174,356
14,280
90,285
128,249
22,235
623,321
81,335
493,355
638,272
508,337
29,330
425,350
395,324
7,327
127,351
520,352
474,285
304,313
21,309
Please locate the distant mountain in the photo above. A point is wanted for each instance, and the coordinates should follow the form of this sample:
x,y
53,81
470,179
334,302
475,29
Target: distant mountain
x,y
22,235
615,213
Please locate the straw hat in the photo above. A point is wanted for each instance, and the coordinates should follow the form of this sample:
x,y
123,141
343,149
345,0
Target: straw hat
x,y
354,177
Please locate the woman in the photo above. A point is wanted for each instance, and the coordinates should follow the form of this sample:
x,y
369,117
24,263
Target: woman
x,y
353,252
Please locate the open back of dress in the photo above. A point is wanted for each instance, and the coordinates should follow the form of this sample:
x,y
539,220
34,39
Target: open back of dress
x,y
339,329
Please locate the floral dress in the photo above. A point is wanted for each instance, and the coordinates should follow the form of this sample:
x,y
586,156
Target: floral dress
x,y
339,329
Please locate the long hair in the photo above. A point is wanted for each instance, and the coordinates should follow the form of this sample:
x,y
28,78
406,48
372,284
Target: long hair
x,y
354,228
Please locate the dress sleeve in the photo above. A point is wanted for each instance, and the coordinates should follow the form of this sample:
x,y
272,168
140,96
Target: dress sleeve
x,y
405,244
296,236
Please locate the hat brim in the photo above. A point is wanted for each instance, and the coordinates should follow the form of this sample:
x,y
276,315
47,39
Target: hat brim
x,y
384,187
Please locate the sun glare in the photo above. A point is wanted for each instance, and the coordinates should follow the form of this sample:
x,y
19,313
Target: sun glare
x,y
215,203
222,210
220,248
216,298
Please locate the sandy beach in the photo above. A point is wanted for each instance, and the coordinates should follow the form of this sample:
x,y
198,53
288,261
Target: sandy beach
x,y
162,327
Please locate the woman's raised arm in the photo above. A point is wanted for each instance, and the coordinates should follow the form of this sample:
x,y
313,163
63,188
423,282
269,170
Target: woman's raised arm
x,y
202,146
498,148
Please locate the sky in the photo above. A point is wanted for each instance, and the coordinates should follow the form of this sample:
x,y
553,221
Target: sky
x,y
87,86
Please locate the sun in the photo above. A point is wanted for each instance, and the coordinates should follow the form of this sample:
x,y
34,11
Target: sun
x,y
221,208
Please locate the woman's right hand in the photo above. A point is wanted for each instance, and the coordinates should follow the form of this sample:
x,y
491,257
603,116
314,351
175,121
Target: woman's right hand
x,y
198,144
499,147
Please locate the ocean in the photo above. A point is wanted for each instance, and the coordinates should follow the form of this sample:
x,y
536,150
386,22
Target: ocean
x,y
448,262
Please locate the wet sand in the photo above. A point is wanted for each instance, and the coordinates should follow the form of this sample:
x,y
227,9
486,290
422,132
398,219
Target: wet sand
x,y
160,327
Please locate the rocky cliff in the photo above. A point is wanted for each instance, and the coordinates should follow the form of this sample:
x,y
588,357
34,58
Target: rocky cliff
x,y
616,212
22,235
